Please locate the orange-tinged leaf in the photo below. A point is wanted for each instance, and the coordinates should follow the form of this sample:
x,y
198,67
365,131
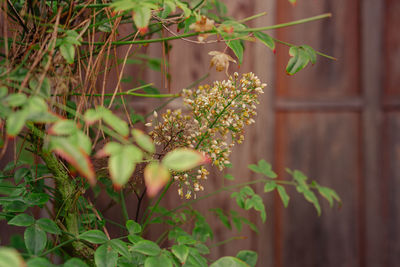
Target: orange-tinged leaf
x,y
75,156
156,176
184,159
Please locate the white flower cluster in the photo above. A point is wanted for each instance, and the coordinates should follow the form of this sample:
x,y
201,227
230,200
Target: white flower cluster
x,y
218,115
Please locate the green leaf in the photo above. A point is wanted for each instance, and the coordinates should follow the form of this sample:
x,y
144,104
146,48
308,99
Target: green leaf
x,y
119,125
312,198
186,11
20,174
48,226
264,168
181,252
123,5
81,140
121,247
183,159
3,91
147,247
133,227
35,239
122,164
141,17
201,248
269,186
94,236
68,52
9,257
63,127
16,121
75,155
75,262
229,177
144,141
44,89
229,262
236,220
158,261
168,8
39,262
328,193
265,39
237,48
299,60
22,220
92,115
105,256
16,100
311,53
248,256
37,199
283,195
293,2
223,218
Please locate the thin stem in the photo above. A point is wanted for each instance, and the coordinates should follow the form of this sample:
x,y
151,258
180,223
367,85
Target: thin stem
x,y
115,223
130,93
227,241
59,246
158,40
140,198
123,205
287,24
146,222
253,17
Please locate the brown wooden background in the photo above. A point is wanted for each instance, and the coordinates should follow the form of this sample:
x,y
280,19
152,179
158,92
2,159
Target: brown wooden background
x,y
338,122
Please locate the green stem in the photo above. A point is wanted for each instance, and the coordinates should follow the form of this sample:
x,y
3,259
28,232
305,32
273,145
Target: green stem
x,y
253,17
123,206
225,188
287,24
146,222
130,93
66,195
158,40
58,246
227,241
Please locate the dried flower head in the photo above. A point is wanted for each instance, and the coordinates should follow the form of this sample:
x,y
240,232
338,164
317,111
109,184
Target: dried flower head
x,y
220,60
215,123
202,25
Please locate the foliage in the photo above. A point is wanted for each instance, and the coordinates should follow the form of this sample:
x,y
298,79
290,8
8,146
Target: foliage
x,y
75,138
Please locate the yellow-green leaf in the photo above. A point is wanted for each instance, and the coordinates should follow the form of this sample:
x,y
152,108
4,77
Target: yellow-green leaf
x,y
155,177
122,163
144,141
184,159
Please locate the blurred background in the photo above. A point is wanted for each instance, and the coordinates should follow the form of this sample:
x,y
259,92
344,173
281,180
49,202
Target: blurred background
x,y
337,121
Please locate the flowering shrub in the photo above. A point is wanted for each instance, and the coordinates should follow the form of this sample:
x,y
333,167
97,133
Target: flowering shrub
x,y
215,123
73,135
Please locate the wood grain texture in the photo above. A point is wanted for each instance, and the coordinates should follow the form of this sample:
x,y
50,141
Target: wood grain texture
x,y
325,147
389,190
392,47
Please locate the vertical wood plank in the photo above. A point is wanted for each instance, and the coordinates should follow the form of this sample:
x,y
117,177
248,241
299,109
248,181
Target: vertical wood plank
x,y
325,146
389,191
372,229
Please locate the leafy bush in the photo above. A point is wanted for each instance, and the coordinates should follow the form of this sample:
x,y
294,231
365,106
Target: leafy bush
x,y
73,137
